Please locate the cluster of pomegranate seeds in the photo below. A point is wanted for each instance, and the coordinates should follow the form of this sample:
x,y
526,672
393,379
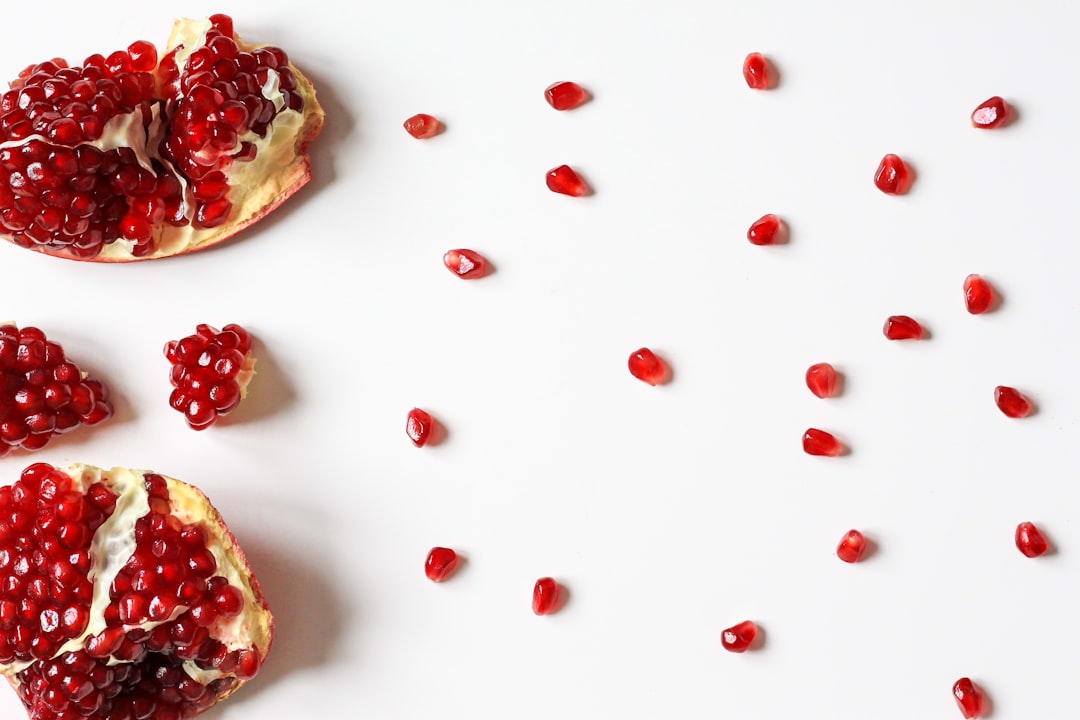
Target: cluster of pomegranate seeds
x,y
440,564
852,546
755,71
422,126
892,176
546,594
646,367
466,264
766,230
419,426
820,442
565,181
210,370
822,380
978,295
903,327
968,697
991,114
1011,402
565,95
1030,540
739,638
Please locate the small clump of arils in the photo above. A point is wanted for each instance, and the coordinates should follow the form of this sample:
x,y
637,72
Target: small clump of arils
x,y
210,372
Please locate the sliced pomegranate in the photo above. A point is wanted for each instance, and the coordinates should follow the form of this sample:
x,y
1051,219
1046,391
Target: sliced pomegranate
x,y
134,599
210,373
127,158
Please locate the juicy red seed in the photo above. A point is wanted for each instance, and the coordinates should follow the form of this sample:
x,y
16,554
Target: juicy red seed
x,y
565,181
991,114
422,126
222,23
822,379
902,327
892,176
440,563
228,601
646,367
968,698
978,295
852,546
546,593
1011,402
766,230
418,426
819,442
565,95
755,71
466,264
1030,540
739,638
143,56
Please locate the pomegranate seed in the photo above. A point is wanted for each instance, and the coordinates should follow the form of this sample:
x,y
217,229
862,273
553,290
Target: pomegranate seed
x,y
968,697
1011,402
819,442
545,596
739,638
821,378
143,56
419,426
755,71
902,327
766,230
440,563
565,181
466,264
1030,540
991,114
646,367
565,95
852,546
978,295
423,126
892,177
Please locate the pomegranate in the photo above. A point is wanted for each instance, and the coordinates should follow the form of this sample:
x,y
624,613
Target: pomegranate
x,y
127,158
210,373
125,596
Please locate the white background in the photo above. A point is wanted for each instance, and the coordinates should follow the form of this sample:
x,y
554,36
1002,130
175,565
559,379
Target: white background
x,y
669,513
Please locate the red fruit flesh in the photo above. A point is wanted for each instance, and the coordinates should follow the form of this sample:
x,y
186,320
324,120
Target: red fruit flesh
x,y
968,698
766,230
44,394
127,158
565,95
819,442
646,367
756,72
978,295
902,327
852,546
991,114
422,126
210,373
440,564
1011,402
1030,540
419,426
565,181
151,610
822,379
545,596
739,638
892,176
466,264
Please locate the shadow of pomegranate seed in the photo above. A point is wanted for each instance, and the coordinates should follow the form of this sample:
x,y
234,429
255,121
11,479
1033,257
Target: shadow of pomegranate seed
x,y
270,392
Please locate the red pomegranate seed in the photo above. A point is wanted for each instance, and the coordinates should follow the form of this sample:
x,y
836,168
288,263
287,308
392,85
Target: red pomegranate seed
x,y
1030,540
819,442
565,95
991,114
739,638
755,71
892,175
423,126
969,697
418,426
565,181
978,295
766,230
466,264
545,596
1011,402
821,378
646,367
852,546
902,327
440,563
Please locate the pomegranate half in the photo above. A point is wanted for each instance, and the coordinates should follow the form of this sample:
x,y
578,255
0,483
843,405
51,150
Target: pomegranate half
x,y
123,595
127,158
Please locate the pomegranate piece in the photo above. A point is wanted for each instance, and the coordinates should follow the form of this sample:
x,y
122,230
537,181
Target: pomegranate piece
x,y
466,264
1011,402
892,176
978,295
150,608
440,564
1030,540
565,181
210,372
819,442
739,638
969,697
646,367
419,426
852,546
44,394
422,126
565,95
902,327
128,157
545,599
755,71
822,380
766,230
991,114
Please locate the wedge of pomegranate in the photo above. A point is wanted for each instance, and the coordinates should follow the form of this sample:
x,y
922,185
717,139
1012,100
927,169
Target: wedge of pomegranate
x,y
126,158
123,595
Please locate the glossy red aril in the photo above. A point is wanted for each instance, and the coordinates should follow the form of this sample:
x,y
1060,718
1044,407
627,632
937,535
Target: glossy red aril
x,y
902,327
440,564
819,442
134,599
892,176
822,380
419,426
978,295
466,264
739,638
968,697
565,95
565,181
1030,540
766,230
422,126
210,373
646,367
545,598
852,546
1011,402
991,114
755,71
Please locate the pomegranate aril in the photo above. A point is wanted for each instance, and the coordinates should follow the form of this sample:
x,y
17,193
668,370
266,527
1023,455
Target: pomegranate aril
x,y
565,95
1030,540
739,638
903,327
968,697
1012,402
419,426
546,594
766,230
440,564
822,380
422,126
646,367
466,264
820,442
565,181
892,176
978,295
852,546
756,72
992,113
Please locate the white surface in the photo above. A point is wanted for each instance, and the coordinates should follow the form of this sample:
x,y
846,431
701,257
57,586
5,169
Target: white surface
x,y
670,512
